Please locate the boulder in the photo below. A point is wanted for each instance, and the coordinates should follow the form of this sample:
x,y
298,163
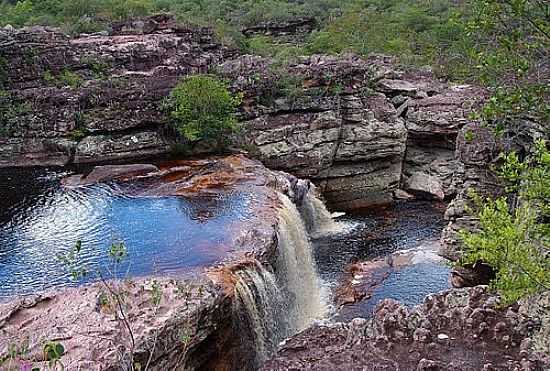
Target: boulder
x,y
425,185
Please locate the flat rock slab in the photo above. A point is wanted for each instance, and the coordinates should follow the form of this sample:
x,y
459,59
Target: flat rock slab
x,y
110,173
171,323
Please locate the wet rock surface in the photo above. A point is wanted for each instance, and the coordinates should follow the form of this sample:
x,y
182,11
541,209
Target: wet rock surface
x,y
459,329
180,322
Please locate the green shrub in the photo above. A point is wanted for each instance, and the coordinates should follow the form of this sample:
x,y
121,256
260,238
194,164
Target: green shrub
x,y
65,78
202,108
78,134
69,78
515,241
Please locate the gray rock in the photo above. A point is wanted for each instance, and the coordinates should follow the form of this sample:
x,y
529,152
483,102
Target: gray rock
x,y
425,185
102,148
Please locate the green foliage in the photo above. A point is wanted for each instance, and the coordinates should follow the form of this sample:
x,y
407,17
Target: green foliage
x,y
509,105
202,108
118,252
53,351
99,68
71,260
515,240
509,42
65,78
78,134
409,29
288,86
10,113
469,136
266,46
92,15
530,178
156,293
15,352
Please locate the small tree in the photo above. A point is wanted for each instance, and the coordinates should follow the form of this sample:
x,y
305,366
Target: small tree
x,y
202,108
515,240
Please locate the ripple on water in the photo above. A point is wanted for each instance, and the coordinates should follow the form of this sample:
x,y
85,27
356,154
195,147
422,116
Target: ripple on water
x,y
39,220
378,233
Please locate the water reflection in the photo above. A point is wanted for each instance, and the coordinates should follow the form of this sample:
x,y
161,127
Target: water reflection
x,y
377,233
39,220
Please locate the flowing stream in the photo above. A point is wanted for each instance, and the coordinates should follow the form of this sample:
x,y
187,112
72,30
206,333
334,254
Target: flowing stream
x,y
279,305
39,221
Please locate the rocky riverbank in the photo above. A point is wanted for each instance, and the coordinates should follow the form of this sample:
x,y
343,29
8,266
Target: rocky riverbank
x,y
459,329
166,322
365,131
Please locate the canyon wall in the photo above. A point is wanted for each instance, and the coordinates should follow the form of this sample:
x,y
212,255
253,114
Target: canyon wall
x,y
360,128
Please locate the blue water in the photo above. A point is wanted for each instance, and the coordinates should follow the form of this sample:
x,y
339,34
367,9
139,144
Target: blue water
x,y
375,234
163,235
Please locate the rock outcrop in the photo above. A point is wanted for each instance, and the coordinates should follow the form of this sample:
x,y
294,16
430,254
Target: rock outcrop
x,y
98,97
292,29
460,329
360,128
478,153
172,322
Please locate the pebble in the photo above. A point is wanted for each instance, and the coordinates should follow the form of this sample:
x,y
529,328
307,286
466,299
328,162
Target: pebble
x,y
443,337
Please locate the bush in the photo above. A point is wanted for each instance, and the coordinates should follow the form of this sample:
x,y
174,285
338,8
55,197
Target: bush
x,y
515,241
202,108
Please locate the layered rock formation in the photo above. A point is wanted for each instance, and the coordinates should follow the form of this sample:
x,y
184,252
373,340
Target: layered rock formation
x,y
94,98
360,128
453,330
292,29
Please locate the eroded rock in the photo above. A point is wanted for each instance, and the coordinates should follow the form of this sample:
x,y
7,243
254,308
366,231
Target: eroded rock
x,y
476,333
177,321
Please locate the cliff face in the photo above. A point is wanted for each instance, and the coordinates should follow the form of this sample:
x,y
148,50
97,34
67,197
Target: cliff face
x,y
94,98
359,128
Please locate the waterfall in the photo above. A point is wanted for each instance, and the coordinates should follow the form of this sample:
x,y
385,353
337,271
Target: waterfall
x,y
270,307
297,269
258,306
317,218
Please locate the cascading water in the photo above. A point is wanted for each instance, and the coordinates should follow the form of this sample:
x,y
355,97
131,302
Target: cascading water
x,y
258,301
318,219
297,269
276,306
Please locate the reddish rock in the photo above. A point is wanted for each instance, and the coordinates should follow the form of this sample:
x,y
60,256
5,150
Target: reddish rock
x,y
399,338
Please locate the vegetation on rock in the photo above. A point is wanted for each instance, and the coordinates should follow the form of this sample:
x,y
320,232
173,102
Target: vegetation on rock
x,y
202,108
509,41
514,237
502,45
